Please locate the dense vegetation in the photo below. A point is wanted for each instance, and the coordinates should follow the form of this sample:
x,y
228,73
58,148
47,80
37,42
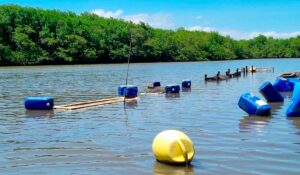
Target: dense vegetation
x,y
34,36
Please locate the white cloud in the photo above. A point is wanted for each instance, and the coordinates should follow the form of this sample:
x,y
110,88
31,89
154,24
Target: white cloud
x,y
200,28
164,20
159,20
244,35
276,34
107,14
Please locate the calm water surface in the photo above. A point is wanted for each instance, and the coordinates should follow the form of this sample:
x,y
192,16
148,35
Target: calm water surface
x,y
117,140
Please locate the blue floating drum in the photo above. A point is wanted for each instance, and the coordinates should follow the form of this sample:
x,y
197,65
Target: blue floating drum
x,y
282,85
293,81
172,89
154,84
294,108
186,84
270,93
253,105
39,103
296,92
129,91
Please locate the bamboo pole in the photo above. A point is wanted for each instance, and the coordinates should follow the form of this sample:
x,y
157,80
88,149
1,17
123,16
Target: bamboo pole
x,y
92,103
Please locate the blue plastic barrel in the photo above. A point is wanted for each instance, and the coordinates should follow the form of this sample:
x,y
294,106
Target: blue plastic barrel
x,y
172,89
270,93
186,84
296,92
154,84
293,81
294,109
39,103
130,91
253,105
282,85
121,90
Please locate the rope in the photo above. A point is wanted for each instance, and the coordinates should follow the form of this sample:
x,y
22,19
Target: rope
x,y
184,152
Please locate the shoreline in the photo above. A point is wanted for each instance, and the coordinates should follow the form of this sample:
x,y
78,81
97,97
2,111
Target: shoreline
x,y
124,63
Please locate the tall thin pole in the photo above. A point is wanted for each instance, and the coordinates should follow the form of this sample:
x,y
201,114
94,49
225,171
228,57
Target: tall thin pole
x,y
128,63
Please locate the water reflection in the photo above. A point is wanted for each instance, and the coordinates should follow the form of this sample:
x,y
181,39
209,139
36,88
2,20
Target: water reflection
x,y
254,123
296,123
186,90
275,107
165,169
131,104
172,96
257,123
215,82
39,113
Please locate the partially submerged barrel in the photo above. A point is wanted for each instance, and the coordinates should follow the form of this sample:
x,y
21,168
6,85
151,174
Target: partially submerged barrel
x,y
121,90
172,89
293,81
39,103
186,84
173,147
282,85
270,93
294,108
129,91
296,92
290,75
253,105
154,84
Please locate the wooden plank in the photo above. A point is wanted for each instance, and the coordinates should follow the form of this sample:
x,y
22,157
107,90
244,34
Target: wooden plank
x,y
89,103
92,103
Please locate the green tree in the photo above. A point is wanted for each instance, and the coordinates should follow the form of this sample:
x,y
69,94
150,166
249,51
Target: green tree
x,y
27,51
36,36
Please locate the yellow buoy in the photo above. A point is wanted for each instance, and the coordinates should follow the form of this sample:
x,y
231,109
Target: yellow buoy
x,y
173,146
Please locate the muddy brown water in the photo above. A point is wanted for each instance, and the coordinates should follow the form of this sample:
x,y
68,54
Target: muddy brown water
x,y
117,140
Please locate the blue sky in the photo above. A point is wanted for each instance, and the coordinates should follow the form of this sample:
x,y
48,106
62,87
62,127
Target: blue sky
x,y
237,18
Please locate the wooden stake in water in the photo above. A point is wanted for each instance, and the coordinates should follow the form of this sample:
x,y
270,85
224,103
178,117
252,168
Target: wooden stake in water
x,y
128,63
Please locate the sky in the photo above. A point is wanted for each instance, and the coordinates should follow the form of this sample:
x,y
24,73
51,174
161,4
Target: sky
x,y
240,19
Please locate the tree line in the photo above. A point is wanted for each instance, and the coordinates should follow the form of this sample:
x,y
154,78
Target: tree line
x,y
31,36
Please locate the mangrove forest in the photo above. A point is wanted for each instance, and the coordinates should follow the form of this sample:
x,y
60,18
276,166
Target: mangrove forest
x,y
33,36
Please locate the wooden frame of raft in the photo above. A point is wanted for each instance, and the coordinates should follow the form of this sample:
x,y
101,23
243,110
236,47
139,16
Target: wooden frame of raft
x,y
92,103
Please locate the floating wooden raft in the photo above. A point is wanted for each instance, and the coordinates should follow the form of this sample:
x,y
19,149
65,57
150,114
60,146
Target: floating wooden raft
x,y
92,103
264,69
290,75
